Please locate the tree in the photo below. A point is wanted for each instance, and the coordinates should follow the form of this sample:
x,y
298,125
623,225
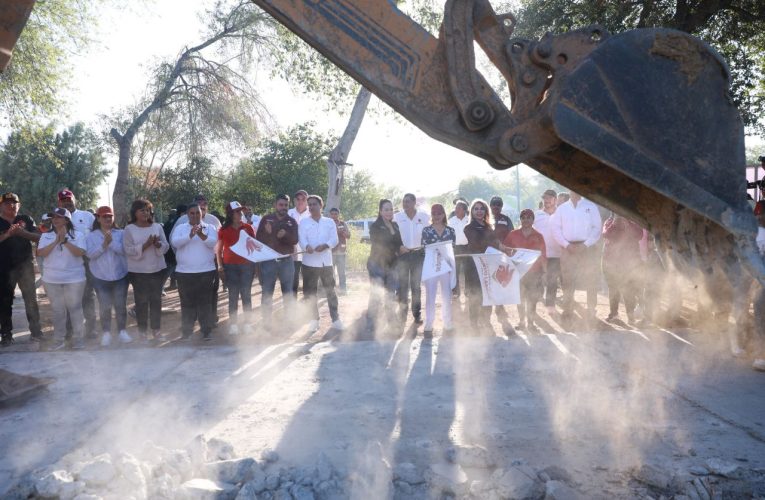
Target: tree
x,y
31,85
295,159
733,27
210,99
36,162
361,195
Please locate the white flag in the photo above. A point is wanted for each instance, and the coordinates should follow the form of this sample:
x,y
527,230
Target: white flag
x,y
439,260
254,250
501,275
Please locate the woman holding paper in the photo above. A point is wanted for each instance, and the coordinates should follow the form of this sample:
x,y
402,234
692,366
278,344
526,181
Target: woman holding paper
x,y
438,232
385,238
480,235
531,283
235,271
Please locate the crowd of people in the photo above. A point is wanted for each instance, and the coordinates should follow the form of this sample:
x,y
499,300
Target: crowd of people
x,y
82,255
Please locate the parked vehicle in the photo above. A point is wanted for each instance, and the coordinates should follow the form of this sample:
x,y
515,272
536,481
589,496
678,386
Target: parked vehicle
x,y
361,227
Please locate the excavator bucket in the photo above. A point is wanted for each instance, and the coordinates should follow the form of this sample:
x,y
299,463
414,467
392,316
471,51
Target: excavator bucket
x,y
13,18
13,386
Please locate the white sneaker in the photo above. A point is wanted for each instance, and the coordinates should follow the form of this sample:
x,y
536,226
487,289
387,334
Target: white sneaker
x,y
759,364
106,340
313,326
125,337
233,329
338,325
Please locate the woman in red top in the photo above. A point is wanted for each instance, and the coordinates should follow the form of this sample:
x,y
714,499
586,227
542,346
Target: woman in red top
x,y
236,271
531,283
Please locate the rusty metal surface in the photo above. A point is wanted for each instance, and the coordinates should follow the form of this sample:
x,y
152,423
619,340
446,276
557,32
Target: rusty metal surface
x,y
13,18
13,385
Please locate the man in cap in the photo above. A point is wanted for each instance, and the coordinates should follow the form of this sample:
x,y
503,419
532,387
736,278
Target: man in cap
x,y
542,224
17,232
299,212
82,220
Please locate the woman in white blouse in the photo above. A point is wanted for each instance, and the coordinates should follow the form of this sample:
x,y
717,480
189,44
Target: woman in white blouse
x,y
145,247
108,265
64,276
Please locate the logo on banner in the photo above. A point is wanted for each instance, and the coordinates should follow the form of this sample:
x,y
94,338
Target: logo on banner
x,y
504,275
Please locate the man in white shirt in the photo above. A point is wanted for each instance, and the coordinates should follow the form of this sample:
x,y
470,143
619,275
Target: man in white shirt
x,y
458,222
410,222
576,227
250,217
318,236
194,243
82,220
299,213
542,224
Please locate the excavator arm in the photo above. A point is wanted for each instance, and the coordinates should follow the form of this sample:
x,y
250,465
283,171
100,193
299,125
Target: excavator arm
x,y
640,122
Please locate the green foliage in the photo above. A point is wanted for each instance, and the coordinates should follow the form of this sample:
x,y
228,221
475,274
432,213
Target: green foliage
x,y
31,85
733,27
182,183
357,254
360,195
295,159
36,162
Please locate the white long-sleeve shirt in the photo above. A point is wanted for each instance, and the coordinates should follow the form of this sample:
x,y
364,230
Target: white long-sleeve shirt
x,y
580,223
110,263
314,233
542,224
139,260
459,228
194,255
411,229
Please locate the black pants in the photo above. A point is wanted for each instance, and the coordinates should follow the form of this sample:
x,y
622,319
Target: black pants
x,y
147,293
460,250
551,280
311,277
22,275
296,277
194,290
479,315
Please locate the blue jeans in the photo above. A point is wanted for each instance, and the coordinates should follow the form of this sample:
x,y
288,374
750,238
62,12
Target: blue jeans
x,y
338,260
111,294
284,269
239,281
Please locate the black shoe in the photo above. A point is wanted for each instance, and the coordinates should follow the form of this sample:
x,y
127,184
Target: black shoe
x,y
36,337
6,340
207,336
417,320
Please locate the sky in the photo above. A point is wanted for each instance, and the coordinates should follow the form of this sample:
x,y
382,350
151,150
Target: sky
x,y
114,71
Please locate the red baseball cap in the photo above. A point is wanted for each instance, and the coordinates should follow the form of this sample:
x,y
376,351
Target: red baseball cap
x,y
104,211
65,194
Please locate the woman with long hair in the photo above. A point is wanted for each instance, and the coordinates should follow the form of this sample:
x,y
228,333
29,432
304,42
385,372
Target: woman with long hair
x,y
438,232
235,271
145,246
64,276
108,265
385,238
480,235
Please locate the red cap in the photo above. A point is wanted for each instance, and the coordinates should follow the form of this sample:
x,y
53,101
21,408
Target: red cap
x,y
65,194
104,211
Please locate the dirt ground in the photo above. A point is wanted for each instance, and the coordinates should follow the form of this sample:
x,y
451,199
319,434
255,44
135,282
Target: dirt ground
x,y
597,403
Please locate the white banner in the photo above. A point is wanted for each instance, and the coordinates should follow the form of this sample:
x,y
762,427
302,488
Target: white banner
x,y
439,260
501,275
254,250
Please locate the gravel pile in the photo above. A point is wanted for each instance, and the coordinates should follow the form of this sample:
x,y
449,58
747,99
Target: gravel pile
x,y
210,470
